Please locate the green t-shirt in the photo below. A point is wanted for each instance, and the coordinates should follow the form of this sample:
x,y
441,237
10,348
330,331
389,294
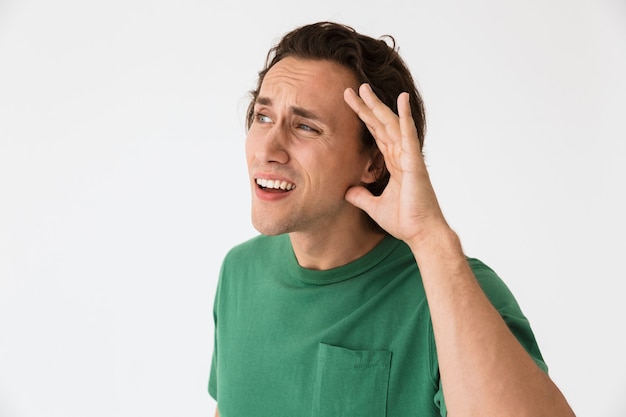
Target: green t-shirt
x,y
356,340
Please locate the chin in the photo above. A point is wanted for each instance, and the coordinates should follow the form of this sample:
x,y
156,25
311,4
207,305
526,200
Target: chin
x,y
268,228
268,231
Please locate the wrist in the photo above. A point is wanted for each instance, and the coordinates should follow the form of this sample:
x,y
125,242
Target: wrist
x,y
440,242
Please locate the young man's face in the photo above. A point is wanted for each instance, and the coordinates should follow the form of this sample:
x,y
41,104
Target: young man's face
x,y
304,149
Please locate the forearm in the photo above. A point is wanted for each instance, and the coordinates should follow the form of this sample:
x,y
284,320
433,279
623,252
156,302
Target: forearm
x,y
484,370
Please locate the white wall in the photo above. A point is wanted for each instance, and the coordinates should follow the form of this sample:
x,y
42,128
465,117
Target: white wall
x,y
122,181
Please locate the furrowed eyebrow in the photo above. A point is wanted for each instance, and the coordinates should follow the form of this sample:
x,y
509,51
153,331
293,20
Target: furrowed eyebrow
x,y
264,101
298,111
307,114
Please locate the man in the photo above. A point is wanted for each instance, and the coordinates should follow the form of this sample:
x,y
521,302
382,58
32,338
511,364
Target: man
x,y
357,299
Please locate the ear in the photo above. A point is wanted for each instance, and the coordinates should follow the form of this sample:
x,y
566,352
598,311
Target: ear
x,y
375,168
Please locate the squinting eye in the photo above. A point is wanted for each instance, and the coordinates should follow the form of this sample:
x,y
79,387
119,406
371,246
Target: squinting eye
x,y
307,128
261,118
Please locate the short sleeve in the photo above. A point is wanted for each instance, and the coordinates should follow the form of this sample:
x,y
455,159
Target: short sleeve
x,y
440,402
213,376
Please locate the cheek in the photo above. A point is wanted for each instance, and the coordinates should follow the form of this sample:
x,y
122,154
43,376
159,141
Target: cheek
x,y
341,172
250,150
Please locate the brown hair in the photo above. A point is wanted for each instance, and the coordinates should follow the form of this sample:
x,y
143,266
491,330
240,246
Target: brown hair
x,y
373,61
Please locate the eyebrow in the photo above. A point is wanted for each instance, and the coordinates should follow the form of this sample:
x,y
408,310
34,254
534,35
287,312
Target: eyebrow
x,y
298,111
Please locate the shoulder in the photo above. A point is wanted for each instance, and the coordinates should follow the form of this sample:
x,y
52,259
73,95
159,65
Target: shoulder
x,y
257,255
256,247
494,287
505,302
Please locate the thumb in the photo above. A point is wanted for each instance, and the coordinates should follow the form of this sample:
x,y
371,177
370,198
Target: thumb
x,y
360,197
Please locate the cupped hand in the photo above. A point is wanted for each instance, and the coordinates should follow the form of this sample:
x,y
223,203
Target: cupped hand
x,y
408,208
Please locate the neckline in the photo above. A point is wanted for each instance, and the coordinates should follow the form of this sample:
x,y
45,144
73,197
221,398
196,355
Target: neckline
x,y
344,272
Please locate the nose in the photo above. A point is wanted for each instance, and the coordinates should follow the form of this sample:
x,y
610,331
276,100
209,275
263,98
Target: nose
x,y
271,145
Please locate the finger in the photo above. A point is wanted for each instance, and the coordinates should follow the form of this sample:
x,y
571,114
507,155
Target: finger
x,y
381,121
407,123
384,115
404,110
360,197
357,104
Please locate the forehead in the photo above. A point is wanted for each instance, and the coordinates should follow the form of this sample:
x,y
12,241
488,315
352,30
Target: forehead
x,y
308,80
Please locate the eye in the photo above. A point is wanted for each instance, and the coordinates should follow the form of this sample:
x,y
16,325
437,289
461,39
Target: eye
x,y
307,128
261,118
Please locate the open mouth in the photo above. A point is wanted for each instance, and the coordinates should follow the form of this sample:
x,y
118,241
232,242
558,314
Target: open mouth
x,y
275,185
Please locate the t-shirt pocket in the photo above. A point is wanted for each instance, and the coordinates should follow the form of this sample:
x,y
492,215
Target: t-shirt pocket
x,y
351,382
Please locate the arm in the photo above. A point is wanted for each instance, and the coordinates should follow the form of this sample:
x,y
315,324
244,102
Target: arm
x,y
484,369
217,414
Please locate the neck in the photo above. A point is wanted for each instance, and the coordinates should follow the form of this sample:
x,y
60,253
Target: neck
x,y
324,250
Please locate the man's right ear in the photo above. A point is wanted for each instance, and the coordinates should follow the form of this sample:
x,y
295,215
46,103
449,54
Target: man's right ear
x,y
376,168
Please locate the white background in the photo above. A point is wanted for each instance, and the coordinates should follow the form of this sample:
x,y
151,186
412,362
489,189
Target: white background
x,y
123,182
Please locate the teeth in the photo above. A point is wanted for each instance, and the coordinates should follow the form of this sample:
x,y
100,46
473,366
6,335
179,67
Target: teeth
x,y
275,184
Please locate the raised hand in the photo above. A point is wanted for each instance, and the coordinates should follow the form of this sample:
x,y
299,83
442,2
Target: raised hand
x,y
408,208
